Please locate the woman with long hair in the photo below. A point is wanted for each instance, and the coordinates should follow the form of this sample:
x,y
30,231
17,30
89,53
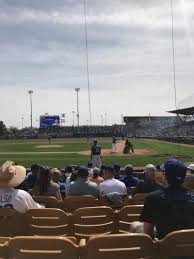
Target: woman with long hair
x,y
45,186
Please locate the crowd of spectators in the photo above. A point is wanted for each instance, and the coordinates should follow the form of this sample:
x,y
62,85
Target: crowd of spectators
x,y
168,207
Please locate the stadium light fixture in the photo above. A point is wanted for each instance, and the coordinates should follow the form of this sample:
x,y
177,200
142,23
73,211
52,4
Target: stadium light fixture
x,y
30,92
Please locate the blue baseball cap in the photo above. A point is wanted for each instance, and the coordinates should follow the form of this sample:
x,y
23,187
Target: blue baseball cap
x,y
82,171
116,166
175,171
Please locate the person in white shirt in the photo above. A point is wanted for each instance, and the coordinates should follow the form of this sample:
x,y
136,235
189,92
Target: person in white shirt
x,y
12,175
110,184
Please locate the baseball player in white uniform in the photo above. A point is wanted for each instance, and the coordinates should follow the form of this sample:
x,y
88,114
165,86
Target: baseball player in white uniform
x,y
114,144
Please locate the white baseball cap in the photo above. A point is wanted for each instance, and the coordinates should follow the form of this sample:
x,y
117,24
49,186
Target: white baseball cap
x,y
191,167
150,169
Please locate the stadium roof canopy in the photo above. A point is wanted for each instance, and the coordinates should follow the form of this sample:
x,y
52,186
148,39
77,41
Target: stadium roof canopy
x,y
185,111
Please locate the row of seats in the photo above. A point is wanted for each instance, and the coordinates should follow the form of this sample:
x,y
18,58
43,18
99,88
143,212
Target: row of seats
x,y
71,203
83,223
125,246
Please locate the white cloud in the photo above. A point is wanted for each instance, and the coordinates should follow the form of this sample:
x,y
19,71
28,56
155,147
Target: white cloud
x,y
42,47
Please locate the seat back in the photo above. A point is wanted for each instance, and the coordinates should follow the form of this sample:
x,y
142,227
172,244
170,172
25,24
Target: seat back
x,y
42,247
48,201
8,219
71,203
127,215
93,221
178,243
130,190
48,222
123,246
4,249
140,197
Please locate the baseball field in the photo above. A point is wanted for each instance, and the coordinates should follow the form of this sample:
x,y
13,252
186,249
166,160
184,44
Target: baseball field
x,y
62,152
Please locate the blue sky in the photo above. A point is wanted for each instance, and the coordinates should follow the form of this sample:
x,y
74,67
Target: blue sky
x,y
42,47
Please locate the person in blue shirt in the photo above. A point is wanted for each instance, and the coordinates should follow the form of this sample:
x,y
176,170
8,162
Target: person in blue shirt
x,y
117,171
129,180
32,176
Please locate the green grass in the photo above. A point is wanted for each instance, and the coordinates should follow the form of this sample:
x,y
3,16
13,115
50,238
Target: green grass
x,y
76,145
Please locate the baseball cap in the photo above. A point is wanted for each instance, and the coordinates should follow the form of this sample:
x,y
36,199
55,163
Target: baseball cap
x,y
116,166
191,167
82,171
150,169
68,169
175,171
103,167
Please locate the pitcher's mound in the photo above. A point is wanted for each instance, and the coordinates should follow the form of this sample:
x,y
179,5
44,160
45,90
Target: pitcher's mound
x,y
49,146
120,146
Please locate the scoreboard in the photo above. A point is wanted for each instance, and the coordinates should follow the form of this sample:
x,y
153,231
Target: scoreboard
x,y
47,121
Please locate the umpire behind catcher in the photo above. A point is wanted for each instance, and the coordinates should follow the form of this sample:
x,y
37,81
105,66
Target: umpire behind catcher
x,y
96,154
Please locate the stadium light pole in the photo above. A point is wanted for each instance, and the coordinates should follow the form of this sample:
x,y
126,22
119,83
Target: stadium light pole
x,y
30,93
77,91
105,119
102,120
73,112
22,122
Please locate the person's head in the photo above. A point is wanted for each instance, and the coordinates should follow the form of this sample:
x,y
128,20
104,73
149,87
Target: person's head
x,y
82,172
175,172
35,169
128,170
191,168
108,173
149,172
102,169
96,172
56,175
89,165
45,177
95,142
11,175
68,169
73,176
117,169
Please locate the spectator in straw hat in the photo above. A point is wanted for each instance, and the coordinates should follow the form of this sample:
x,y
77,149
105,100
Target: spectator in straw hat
x,y
148,184
12,175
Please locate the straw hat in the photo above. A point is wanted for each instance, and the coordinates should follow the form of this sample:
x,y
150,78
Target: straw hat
x,y
11,175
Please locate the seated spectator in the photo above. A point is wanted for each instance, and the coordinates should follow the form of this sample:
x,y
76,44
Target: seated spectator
x,y
32,176
67,172
189,179
57,178
82,186
171,208
117,171
111,185
148,184
102,169
45,186
96,176
12,175
90,169
129,180
71,178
